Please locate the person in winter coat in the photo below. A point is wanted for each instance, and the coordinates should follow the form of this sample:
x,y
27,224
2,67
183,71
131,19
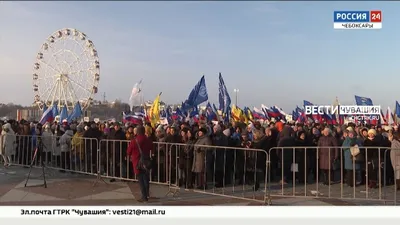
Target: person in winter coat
x,y
140,148
65,146
78,150
373,157
47,140
302,157
116,149
160,155
129,133
186,158
172,149
56,146
285,154
8,144
92,138
395,156
351,164
216,158
327,154
199,157
257,159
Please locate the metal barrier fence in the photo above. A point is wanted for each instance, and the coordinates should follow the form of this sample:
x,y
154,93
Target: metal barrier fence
x,y
115,164
77,154
242,173
67,154
299,172
223,171
239,173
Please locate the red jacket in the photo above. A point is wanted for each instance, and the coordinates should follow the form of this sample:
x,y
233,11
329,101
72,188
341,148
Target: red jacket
x,y
133,151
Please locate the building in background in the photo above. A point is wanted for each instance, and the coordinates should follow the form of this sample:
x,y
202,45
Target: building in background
x,y
29,114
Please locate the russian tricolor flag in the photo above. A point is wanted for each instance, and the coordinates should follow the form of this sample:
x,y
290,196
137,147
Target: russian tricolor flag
x,y
137,118
47,116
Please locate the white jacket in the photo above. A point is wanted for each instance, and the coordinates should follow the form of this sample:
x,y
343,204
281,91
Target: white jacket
x,y
65,141
8,141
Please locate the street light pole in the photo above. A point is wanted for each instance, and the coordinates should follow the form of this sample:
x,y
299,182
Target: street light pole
x,y
236,95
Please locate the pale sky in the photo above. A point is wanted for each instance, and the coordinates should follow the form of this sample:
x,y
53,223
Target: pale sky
x,y
275,53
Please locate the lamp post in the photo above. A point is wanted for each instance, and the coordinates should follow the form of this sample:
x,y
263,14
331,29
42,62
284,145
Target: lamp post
x,y
236,95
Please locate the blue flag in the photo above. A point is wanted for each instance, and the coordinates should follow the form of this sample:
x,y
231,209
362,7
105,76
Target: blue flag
x,y
55,110
224,98
198,94
210,114
307,103
363,100
44,108
295,115
397,111
168,112
76,113
228,115
64,113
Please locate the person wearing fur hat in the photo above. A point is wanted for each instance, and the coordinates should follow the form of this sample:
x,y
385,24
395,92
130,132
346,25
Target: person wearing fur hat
x,y
199,157
372,151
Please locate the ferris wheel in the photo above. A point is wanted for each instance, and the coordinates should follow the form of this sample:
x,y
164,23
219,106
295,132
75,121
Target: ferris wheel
x,y
67,70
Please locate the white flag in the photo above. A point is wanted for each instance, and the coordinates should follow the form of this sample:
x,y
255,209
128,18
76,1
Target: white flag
x,y
135,93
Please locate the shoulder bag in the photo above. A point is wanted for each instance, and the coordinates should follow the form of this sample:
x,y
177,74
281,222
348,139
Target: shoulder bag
x,y
144,163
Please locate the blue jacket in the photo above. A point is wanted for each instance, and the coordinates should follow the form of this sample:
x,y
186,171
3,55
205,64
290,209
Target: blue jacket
x,y
348,160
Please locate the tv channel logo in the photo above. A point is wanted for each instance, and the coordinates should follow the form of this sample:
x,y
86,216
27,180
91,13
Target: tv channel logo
x,y
357,19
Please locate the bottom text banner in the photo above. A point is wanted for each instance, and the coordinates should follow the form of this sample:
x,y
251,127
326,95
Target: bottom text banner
x,y
249,212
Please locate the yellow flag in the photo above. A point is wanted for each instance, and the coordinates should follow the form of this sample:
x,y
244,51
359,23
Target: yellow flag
x,y
154,114
249,115
236,113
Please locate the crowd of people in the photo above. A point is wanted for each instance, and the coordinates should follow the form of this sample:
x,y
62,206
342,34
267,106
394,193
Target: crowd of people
x,y
206,153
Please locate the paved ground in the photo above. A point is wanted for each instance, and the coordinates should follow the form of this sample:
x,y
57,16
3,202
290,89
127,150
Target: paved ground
x,y
74,189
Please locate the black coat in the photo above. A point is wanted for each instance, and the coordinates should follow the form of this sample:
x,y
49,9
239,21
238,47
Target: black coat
x,y
117,145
